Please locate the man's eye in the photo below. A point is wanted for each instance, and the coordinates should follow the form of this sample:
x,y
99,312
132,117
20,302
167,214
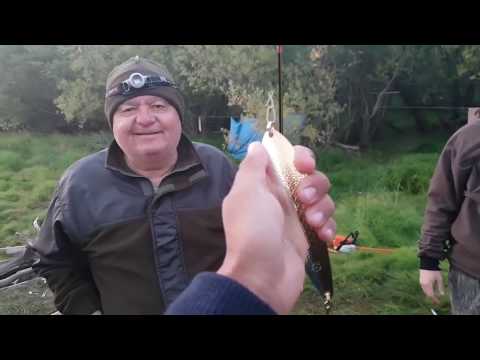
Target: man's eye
x,y
159,106
127,110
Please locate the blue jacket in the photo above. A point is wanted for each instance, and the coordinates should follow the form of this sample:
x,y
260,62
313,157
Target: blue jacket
x,y
213,294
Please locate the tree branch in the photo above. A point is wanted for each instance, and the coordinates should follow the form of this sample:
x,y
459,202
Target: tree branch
x,y
346,147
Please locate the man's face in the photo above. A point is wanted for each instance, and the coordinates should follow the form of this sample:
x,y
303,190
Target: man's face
x,y
146,126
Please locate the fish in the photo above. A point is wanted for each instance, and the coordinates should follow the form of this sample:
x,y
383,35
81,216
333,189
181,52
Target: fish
x,y
317,267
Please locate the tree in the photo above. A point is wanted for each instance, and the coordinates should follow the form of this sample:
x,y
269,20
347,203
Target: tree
x,y
365,74
246,74
310,83
242,73
343,89
437,75
27,90
83,90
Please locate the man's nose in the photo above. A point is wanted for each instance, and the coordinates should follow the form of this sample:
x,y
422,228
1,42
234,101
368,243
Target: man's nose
x,y
145,116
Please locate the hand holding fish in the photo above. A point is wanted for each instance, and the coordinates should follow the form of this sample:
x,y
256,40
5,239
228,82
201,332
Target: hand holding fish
x,y
266,245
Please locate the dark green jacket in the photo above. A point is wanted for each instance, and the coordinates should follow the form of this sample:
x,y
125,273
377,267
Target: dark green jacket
x,y
112,242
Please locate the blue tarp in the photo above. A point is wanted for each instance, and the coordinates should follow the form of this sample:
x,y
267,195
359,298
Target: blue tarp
x,y
242,133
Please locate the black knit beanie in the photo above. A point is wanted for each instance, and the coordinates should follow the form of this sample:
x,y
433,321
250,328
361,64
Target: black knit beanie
x,y
164,87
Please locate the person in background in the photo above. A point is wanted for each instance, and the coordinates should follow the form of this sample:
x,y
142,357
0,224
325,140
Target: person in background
x,y
451,228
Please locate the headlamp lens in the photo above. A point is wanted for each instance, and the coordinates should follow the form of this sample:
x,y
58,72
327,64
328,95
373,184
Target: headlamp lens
x,y
137,80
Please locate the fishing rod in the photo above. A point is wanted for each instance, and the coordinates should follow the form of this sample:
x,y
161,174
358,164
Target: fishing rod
x,y
280,110
281,151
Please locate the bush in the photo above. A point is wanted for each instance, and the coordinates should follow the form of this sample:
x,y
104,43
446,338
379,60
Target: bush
x,y
410,173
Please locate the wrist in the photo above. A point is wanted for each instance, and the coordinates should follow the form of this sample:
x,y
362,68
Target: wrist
x,y
253,280
428,263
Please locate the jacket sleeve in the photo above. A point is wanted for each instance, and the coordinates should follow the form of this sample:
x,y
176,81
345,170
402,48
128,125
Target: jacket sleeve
x,y
63,266
444,199
214,294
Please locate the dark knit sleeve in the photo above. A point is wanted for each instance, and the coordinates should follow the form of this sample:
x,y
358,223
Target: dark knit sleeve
x,y
214,294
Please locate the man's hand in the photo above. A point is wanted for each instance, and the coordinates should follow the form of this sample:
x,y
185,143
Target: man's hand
x,y
313,193
432,284
266,246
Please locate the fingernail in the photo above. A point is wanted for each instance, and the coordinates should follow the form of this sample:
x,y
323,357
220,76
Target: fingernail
x,y
252,146
329,233
317,218
309,193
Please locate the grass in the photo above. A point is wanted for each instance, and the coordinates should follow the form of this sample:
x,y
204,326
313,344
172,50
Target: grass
x,y
30,166
380,193
28,298
372,284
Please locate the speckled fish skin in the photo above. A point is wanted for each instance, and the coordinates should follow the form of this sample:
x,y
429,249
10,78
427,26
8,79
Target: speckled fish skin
x,y
318,266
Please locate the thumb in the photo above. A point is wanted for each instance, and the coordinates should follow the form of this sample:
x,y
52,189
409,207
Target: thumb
x,y
255,164
257,168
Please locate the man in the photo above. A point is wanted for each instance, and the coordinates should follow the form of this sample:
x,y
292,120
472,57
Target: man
x,y
452,223
130,226
264,268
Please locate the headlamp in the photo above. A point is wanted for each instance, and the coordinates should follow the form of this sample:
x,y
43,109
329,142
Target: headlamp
x,y
138,81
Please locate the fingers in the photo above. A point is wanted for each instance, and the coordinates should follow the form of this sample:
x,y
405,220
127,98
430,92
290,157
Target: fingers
x,y
318,214
304,159
257,168
435,299
428,290
255,164
327,232
429,280
313,193
441,289
312,188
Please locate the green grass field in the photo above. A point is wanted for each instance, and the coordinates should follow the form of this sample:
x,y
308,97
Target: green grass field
x,y
30,166
380,193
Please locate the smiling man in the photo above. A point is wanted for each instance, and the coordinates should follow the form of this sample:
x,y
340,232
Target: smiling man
x,y
129,227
